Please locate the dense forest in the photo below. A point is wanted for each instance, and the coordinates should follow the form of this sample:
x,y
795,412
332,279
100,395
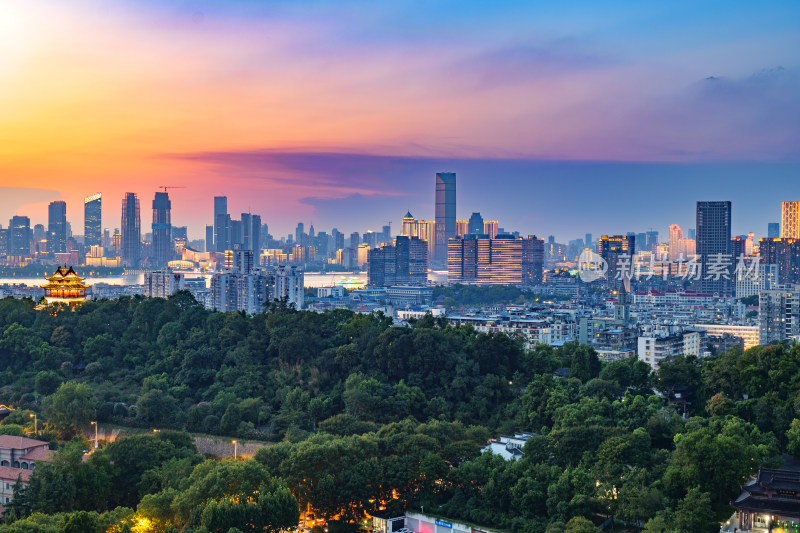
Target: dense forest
x,y
362,414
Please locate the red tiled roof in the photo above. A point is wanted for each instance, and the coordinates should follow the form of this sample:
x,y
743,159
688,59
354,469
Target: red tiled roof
x,y
19,443
39,454
11,474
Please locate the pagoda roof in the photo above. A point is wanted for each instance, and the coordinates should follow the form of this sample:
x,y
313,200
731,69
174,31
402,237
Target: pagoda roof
x,y
65,276
65,273
774,491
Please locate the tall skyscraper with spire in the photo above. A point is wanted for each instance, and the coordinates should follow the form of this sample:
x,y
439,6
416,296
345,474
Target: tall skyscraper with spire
x,y
57,227
161,250
445,212
131,231
92,220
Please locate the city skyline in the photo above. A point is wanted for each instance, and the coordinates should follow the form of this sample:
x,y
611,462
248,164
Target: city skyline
x,y
307,110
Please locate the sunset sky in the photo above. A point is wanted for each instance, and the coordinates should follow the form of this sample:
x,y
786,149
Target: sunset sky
x,y
559,117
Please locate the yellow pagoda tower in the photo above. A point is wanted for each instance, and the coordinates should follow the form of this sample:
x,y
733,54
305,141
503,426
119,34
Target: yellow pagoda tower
x,y
65,286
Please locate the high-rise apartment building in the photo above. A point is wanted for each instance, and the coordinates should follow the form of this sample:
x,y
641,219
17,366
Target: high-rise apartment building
x,y
790,220
251,232
491,228
93,220
714,247
779,314
131,231
57,227
445,212
477,259
462,228
785,253
162,248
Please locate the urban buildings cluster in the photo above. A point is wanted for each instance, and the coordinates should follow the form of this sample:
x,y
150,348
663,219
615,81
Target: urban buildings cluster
x,y
622,293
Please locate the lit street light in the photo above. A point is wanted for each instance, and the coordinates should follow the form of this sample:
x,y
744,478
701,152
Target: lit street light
x,y
234,448
95,434
35,424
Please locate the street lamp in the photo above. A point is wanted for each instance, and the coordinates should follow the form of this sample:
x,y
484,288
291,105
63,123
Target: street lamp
x,y
35,424
95,434
234,448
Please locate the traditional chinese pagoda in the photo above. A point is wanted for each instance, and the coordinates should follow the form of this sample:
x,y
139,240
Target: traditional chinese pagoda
x,y
65,286
770,500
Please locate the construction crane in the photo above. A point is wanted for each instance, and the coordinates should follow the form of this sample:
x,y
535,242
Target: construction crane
x,y
165,187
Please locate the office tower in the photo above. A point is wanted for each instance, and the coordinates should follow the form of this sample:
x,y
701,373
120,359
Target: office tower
x,y
445,212
411,261
409,228
462,228
131,233
505,260
320,243
338,239
617,251
381,266
738,248
588,242
533,260
475,224
355,239
299,234
209,237
162,247
713,246
57,227
693,234
773,230
790,220
405,263
92,220
19,236
652,240
779,314
311,233
491,228
220,214
387,233
251,232
426,230
180,232
641,242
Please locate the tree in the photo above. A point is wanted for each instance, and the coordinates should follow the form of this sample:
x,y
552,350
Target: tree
x,y
580,524
70,409
793,438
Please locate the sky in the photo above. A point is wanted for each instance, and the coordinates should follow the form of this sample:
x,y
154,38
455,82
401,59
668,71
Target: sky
x,y
558,117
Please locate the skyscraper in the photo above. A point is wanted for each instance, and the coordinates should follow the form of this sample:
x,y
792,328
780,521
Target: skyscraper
x,y
477,259
161,251
617,250
220,224
790,220
19,236
131,231
445,212
92,220
475,224
209,238
491,228
57,227
713,247
773,230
